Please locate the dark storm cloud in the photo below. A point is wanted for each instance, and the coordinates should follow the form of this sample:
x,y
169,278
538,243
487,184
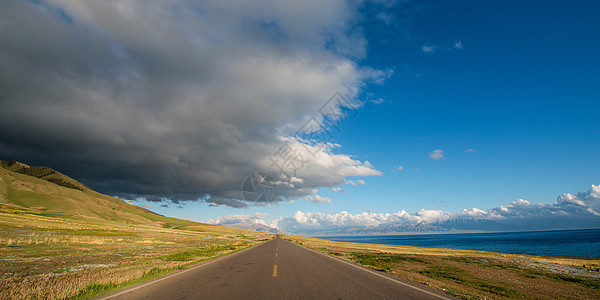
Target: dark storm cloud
x,y
175,99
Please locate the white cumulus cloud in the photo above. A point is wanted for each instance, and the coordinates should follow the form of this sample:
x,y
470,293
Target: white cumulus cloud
x,y
317,199
582,208
337,189
427,48
256,218
436,154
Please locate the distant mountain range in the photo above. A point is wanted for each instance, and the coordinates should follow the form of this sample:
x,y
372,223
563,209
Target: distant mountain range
x,y
455,226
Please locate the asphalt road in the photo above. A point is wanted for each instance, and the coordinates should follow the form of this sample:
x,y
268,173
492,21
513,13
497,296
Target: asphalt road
x,y
277,269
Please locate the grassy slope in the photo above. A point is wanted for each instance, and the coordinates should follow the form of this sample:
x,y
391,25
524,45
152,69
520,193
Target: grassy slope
x,y
20,191
71,242
473,274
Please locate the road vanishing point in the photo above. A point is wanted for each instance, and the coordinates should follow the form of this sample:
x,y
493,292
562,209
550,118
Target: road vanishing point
x,y
277,269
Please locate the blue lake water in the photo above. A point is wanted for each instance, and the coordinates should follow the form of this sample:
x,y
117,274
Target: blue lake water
x,y
561,242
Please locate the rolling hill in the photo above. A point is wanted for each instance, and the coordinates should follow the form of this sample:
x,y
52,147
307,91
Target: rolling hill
x,y
47,192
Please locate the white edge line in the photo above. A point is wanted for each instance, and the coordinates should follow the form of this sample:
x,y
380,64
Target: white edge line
x,y
159,279
374,273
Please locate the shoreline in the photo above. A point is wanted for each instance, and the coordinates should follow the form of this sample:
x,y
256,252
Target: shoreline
x,y
572,243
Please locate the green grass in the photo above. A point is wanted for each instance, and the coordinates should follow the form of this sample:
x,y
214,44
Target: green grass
x,y
487,263
189,255
459,276
65,183
94,232
449,273
380,259
587,282
383,261
95,289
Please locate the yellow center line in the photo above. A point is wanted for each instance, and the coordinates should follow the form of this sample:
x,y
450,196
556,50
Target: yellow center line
x,y
275,271
275,254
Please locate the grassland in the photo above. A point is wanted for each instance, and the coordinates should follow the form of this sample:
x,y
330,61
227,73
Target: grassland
x,y
474,274
60,242
46,258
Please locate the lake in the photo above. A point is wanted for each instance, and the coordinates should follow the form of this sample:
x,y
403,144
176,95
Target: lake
x,y
559,242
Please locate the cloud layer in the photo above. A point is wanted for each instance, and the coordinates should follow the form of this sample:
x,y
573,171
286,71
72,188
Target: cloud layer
x,y
579,210
236,219
177,99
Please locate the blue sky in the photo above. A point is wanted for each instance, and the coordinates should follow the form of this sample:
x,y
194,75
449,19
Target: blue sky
x,y
523,93
510,92
165,110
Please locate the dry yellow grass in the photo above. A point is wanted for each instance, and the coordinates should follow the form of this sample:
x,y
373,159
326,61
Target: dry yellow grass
x,y
48,258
